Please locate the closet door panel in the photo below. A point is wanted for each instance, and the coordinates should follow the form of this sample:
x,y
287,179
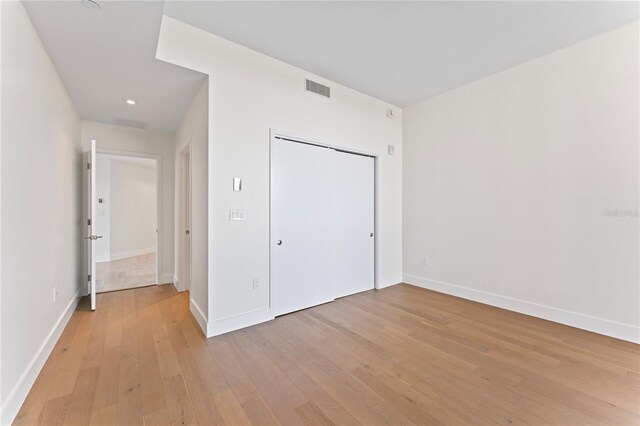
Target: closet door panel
x,y
355,223
303,226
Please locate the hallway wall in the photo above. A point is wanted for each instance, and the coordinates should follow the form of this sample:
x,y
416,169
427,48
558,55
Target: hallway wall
x,y
41,205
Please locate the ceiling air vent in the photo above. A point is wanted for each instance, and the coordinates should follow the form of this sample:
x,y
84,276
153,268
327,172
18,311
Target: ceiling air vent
x,y
318,88
130,123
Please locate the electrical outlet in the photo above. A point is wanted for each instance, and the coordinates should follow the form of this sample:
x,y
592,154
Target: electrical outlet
x,y
424,261
256,283
55,293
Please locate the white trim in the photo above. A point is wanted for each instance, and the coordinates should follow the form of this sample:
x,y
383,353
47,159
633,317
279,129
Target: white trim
x,y
175,285
319,141
19,393
132,253
200,317
166,279
236,322
389,280
610,328
185,151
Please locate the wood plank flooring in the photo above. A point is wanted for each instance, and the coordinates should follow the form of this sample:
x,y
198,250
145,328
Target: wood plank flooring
x,y
401,355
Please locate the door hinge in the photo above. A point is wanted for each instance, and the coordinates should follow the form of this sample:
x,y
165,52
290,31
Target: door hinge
x,y
88,221
88,277
88,166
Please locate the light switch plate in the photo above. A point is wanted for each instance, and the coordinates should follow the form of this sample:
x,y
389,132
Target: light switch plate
x,y
237,214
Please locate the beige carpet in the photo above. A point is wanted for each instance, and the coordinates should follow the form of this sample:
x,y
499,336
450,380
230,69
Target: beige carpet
x,y
131,272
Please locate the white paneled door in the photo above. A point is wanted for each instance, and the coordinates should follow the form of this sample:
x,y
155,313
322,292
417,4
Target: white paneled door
x,y
91,236
322,224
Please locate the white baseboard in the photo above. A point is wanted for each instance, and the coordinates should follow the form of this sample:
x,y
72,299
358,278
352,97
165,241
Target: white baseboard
x,y
176,284
610,328
132,253
225,325
237,322
16,397
166,279
389,280
200,317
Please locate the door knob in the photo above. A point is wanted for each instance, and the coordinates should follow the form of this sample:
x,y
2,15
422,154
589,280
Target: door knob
x,y
279,242
371,234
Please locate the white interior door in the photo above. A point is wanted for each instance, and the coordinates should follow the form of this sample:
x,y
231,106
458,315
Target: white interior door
x,y
355,224
186,217
92,208
303,225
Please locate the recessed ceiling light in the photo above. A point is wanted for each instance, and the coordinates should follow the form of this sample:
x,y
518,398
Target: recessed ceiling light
x,y
130,101
91,4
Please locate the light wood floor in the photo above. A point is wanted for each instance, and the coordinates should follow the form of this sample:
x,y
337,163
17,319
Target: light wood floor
x,y
131,272
396,356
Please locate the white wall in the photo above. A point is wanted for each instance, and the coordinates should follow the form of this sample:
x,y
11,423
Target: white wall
x,y
133,208
41,205
508,180
194,130
103,220
121,139
249,94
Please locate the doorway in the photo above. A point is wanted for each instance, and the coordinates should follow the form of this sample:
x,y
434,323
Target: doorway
x,y
126,219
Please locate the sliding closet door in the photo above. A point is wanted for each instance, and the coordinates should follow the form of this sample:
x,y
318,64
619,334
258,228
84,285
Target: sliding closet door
x,y
355,192
303,225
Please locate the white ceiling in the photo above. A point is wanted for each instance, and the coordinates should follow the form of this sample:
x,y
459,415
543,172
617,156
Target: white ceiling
x,y
401,52
107,56
404,52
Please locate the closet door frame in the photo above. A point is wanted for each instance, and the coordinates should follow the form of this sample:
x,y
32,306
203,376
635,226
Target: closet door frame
x,y
310,140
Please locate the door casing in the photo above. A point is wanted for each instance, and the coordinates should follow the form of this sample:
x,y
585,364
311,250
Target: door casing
x,y
184,281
